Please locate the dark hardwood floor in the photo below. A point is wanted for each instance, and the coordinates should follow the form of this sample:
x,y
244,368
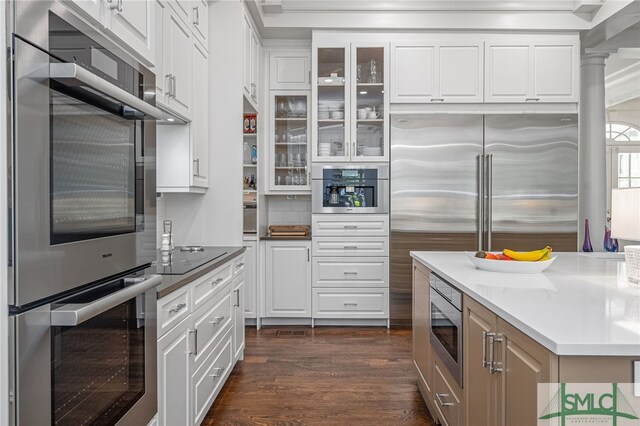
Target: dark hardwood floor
x,y
323,376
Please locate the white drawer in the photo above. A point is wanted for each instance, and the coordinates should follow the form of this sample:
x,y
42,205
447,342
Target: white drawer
x,y
343,225
352,246
209,321
238,265
207,285
173,308
209,378
357,303
350,272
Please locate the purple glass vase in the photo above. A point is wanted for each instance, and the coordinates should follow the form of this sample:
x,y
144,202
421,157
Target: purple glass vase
x,y
608,242
586,246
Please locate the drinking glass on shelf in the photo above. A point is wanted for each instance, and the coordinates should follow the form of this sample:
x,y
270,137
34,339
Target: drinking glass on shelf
x,y
283,159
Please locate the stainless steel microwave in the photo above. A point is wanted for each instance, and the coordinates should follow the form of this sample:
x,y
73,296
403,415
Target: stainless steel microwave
x,y
83,172
342,188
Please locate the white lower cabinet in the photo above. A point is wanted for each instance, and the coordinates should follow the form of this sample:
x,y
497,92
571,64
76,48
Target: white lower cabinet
x,y
251,279
174,363
237,300
350,271
360,303
288,280
199,343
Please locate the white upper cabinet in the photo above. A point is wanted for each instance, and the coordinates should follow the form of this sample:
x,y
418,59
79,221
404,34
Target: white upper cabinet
x,y
200,19
532,70
183,9
177,63
436,72
290,69
132,21
200,123
412,73
251,51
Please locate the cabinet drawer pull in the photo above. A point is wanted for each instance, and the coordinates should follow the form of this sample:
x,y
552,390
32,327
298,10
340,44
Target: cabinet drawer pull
x,y
168,91
532,99
240,265
351,272
350,304
351,247
237,292
351,227
439,397
484,349
196,18
217,372
216,281
493,338
195,342
437,100
178,308
217,320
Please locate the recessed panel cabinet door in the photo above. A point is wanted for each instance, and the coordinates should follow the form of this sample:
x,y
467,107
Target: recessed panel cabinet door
x,y
422,323
178,63
508,70
132,22
200,19
201,120
555,73
479,384
412,71
460,73
237,300
524,364
288,281
173,376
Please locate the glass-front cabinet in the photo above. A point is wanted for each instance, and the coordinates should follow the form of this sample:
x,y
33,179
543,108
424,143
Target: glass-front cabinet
x,y
289,141
350,124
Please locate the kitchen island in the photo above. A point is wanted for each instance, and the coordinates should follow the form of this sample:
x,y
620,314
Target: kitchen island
x,y
578,322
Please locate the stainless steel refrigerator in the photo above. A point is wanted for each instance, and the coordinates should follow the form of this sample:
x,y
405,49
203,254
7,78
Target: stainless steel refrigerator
x,y
479,182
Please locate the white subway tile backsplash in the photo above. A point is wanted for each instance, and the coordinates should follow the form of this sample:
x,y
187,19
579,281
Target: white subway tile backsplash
x,y
285,210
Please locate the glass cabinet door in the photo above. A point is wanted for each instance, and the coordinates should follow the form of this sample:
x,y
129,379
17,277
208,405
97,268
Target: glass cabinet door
x,y
332,113
369,102
289,138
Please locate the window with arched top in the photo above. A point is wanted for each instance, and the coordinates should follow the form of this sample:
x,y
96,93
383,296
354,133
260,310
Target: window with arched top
x,y
623,141
623,157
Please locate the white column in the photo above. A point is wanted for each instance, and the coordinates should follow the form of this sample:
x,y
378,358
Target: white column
x,y
592,164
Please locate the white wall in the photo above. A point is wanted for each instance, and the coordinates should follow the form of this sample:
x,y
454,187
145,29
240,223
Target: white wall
x,y
215,218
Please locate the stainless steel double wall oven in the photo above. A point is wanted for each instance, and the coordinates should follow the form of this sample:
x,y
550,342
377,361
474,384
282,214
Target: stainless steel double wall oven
x,y
83,309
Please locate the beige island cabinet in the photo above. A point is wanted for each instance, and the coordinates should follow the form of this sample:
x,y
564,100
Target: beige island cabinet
x,y
578,322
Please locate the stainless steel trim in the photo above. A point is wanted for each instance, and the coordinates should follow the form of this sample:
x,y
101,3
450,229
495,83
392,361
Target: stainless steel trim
x,y
439,397
217,372
168,90
317,188
492,337
317,169
455,316
489,173
74,75
174,86
73,314
484,349
480,200
237,291
532,99
217,320
492,367
195,341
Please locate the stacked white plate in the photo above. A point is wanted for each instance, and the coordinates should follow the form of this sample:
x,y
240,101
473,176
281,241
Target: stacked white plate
x,y
323,111
324,149
371,151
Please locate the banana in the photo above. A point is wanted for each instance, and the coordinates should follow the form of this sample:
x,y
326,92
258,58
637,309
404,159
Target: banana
x,y
529,256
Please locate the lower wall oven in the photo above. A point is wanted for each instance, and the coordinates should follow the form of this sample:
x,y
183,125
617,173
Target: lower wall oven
x,y
89,359
446,324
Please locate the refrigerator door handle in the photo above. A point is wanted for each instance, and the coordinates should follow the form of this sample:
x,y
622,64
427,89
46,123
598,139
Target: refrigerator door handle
x,y
480,187
489,199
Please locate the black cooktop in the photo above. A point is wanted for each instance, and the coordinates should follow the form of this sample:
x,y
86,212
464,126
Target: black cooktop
x,y
179,262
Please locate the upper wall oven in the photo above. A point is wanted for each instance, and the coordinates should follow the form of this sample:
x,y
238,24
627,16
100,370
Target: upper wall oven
x,y
350,188
83,174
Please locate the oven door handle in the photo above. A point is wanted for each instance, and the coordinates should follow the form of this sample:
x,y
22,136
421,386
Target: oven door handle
x,y
74,75
73,314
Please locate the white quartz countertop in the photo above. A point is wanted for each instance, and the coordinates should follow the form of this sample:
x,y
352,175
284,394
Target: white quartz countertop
x,y
581,305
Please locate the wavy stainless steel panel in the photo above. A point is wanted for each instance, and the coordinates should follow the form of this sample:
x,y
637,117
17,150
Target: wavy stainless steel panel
x,y
434,172
535,172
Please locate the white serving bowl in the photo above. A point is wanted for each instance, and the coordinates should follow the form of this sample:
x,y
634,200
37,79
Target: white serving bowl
x,y
510,266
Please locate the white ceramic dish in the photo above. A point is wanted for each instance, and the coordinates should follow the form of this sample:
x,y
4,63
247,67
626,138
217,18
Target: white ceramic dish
x,y
510,266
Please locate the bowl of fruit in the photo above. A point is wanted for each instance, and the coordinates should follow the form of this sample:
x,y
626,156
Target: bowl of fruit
x,y
517,262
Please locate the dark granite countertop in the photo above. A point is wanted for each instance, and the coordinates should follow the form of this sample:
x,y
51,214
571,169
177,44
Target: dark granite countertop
x,y
187,266
267,237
